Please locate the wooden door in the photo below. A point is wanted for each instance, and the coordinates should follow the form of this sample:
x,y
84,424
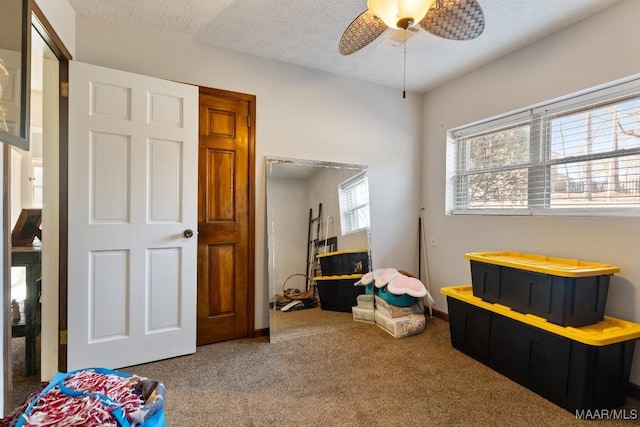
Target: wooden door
x,y
132,267
226,213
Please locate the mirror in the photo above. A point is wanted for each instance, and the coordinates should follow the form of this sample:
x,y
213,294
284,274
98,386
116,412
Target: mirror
x,y
15,74
315,208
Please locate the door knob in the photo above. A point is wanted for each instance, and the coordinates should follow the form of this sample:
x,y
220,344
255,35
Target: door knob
x,y
188,233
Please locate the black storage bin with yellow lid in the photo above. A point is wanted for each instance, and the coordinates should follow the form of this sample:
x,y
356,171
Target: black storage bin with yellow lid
x,y
564,291
339,293
344,262
578,369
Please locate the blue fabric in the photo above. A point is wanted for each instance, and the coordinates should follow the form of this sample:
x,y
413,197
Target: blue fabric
x,y
157,420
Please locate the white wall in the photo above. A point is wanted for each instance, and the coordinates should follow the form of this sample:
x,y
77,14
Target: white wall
x,y
288,217
301,114
62,17
590,53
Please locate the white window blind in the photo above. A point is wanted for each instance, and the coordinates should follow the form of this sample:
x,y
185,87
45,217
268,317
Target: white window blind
x,y
354,203
580,155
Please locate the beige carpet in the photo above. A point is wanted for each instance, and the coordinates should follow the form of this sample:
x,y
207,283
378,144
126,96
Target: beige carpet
x,y
22,386
290,325
355,376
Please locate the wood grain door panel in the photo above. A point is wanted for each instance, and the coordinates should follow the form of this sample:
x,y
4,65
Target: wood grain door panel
x,y
225,217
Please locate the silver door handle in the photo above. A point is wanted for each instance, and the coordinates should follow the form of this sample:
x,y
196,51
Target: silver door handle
x,y
188,233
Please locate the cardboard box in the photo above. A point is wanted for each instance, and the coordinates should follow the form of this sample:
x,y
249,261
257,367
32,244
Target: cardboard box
x,y
395,311
362,314
400,327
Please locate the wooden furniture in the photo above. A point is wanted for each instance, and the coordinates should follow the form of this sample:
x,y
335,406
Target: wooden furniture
x,y
31,258
27,228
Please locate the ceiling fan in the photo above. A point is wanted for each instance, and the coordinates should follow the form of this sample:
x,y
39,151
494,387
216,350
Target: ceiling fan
x,y
449,19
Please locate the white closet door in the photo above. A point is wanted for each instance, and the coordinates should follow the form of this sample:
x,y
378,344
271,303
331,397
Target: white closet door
x,y
133,144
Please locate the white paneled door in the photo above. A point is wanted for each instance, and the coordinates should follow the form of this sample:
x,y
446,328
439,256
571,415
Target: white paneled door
x,y
133,144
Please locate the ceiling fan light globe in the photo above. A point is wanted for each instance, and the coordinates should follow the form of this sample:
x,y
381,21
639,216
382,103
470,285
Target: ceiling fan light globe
x,y
400,14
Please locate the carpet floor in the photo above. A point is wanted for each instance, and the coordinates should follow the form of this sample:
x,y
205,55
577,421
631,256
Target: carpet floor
x,y
350,376
356,376
22,386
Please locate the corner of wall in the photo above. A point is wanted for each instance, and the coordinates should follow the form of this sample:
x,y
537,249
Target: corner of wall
x,y
63,19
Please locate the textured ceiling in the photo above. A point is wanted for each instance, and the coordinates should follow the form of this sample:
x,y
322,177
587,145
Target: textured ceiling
x,y
307,32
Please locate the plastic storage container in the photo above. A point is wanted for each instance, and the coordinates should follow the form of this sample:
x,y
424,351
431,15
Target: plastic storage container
x,y
338,293
564,291
344,262
583,368
397,300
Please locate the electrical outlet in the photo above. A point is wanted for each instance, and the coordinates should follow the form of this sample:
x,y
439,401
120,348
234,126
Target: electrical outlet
x,y
434,241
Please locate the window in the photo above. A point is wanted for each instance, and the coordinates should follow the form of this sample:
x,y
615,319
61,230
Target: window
x,y
354,203
579,156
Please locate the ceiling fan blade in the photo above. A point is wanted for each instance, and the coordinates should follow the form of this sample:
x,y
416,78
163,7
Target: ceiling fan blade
x,y
454,19
362,31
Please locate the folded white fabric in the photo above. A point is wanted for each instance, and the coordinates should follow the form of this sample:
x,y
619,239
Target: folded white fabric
x,y
365,279
380,277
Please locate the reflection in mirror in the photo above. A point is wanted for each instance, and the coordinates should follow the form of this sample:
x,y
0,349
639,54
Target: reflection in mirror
x,y
318,244
15,47
33,187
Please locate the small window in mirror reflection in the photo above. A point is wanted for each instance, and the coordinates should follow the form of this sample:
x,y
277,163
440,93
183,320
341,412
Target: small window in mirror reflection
x,y
354,203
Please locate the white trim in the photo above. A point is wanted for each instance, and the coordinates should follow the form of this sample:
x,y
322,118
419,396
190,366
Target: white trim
x,y
51,219
604,212
497,212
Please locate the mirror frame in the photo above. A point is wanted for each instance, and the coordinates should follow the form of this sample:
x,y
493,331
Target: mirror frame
x,y
274,332
22,140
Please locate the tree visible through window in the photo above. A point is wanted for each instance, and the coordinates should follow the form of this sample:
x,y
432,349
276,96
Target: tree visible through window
x,y
579,156
496,168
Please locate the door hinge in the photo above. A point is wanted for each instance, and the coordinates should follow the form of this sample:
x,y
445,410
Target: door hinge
x,y
63,337
64,89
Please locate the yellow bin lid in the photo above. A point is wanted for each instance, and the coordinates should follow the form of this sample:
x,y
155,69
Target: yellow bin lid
x,y
343,277
343,251
608,331
543,264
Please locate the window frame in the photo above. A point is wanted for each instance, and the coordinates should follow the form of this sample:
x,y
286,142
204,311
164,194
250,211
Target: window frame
x,y
347,212
538,118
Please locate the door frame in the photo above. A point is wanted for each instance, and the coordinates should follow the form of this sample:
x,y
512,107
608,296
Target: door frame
x,y
42,25
44,28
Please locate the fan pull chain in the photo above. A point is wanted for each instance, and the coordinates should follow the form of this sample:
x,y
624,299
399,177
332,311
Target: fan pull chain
x,y
404,66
